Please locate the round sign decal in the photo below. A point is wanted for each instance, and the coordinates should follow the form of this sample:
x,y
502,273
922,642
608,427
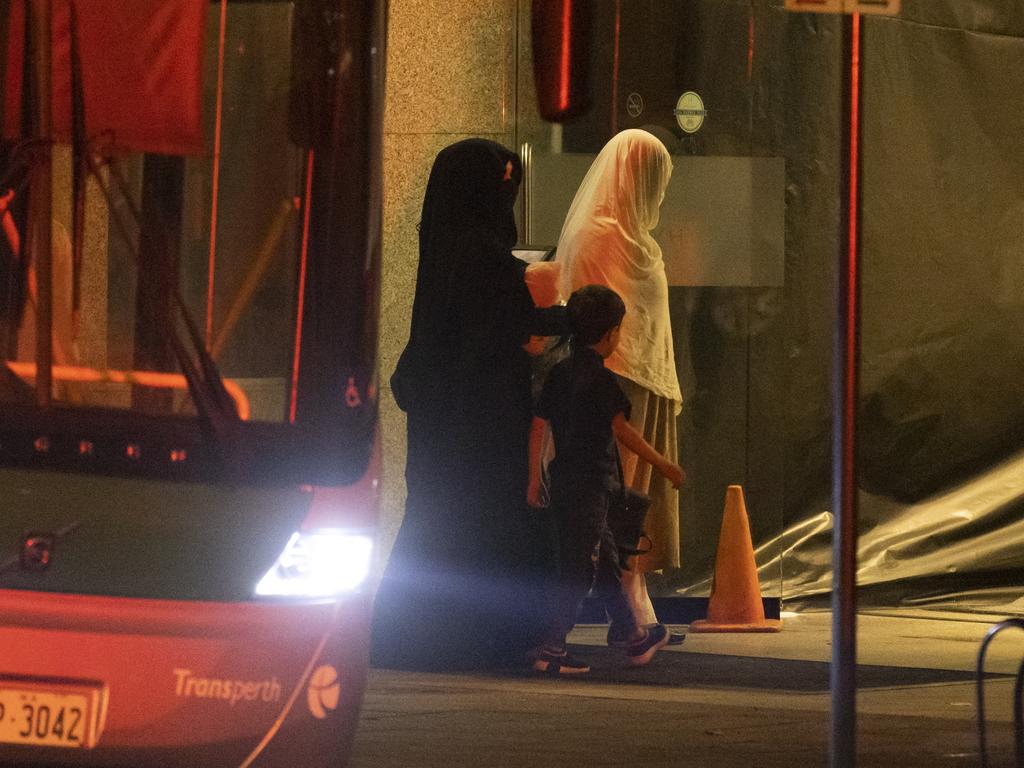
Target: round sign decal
x,y
690,112
634,104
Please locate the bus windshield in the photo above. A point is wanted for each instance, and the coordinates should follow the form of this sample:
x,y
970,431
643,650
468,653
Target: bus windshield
x,y
225,224
174,284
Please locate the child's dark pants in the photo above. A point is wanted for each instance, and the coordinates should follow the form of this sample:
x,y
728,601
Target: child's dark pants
x,y
588,558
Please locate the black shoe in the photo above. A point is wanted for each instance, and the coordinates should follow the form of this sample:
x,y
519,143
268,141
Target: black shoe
x,y
642,651
558,663
617,637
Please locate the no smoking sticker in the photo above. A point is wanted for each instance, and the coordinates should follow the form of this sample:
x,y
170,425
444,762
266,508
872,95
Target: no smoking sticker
x,y
690,112
634,104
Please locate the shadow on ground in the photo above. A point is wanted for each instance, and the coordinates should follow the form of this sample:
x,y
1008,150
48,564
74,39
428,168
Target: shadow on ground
x,y
706,670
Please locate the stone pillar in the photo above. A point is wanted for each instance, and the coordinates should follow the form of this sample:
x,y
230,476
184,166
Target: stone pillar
x,y
451,74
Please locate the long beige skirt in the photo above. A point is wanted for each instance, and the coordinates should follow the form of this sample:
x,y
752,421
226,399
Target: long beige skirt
x,y
655,418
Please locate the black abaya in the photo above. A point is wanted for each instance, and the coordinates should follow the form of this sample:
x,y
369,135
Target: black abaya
x,y
462,588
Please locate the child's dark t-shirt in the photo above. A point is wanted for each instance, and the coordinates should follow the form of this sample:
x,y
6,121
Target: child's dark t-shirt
x,y
580,398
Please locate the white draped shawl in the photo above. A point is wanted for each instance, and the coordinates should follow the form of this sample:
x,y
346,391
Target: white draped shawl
x,y
606,239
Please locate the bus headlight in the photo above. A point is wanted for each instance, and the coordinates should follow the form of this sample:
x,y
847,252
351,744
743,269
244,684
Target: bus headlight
x,y
321,563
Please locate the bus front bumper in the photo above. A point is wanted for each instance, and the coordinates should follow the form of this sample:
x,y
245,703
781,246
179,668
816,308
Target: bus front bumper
x,y
180,682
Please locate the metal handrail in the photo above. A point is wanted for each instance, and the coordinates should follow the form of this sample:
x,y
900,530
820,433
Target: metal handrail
x,y
1018,688
526,191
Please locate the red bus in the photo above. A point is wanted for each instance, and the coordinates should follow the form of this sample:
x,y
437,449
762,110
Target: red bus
x,y
189,457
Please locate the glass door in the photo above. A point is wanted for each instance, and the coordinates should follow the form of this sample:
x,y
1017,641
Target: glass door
x,y
747,98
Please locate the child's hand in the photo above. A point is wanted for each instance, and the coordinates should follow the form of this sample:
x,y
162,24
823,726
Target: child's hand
x,y
673,473
536,494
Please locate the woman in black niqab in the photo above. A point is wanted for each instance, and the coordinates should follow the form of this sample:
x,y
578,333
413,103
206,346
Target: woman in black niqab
x,y
462,586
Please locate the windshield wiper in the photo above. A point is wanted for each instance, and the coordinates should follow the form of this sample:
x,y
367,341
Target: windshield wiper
x,y
215,407
216,410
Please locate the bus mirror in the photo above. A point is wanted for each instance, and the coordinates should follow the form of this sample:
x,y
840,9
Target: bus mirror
x,y
561,57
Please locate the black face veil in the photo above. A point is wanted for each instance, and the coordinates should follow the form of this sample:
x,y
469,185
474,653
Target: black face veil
x,y
473,186
468,212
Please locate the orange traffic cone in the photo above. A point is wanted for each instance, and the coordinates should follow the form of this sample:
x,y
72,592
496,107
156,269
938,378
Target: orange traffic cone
x,y
735,604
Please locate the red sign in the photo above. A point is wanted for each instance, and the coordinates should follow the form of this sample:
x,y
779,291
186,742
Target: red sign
x,y
141,73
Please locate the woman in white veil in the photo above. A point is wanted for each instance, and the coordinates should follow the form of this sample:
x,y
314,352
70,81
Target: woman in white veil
x,y
606,239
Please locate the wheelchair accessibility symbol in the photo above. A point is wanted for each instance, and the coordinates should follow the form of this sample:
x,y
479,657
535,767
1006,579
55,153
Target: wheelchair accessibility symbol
x,y
352,398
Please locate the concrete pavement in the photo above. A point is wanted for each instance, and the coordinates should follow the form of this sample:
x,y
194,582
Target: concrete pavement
x,y
718,700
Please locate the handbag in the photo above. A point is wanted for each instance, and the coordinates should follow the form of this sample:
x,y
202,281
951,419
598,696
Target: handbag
x,y
627,511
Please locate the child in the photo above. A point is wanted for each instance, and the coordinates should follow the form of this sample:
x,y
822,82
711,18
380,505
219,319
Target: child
x,y
587,412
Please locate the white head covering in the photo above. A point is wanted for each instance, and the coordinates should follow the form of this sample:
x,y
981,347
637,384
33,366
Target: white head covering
x,y
606,239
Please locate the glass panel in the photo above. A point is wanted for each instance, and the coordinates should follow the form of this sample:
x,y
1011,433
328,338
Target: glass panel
x,y
714,81
751,232
942,425
238,286
258,209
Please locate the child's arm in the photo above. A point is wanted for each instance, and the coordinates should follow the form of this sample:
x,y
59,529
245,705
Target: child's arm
x,y
626,434
535,495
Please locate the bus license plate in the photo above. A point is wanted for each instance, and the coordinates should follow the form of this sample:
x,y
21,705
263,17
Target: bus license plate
x,y
49,714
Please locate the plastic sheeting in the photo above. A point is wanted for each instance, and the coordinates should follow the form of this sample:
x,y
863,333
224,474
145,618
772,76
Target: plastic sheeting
x,y
960,549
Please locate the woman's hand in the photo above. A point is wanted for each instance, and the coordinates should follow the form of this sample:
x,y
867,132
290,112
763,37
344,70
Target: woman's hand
x,y
542,280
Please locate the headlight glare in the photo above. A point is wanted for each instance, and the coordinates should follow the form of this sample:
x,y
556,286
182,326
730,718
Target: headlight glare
x,y
321,563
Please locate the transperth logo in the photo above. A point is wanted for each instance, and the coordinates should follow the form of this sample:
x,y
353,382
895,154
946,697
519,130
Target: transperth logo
x,y
324,691
189,686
